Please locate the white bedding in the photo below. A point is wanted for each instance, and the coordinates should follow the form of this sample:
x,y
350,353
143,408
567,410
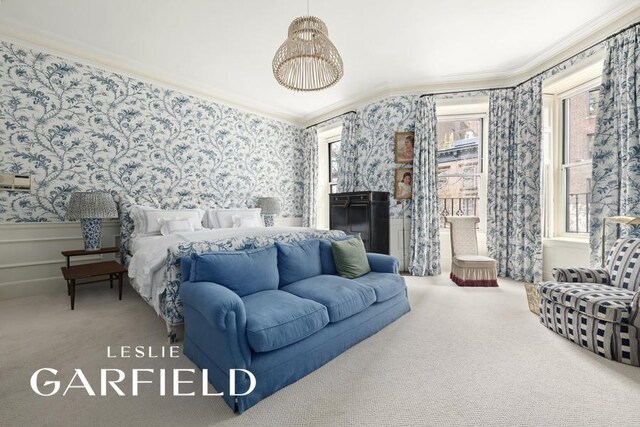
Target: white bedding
x,y
149,253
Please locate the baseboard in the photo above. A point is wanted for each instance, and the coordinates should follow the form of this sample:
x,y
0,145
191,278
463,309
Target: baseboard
x,y
27,288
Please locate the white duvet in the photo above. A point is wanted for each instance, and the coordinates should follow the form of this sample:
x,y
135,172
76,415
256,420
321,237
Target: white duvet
x,y
147,267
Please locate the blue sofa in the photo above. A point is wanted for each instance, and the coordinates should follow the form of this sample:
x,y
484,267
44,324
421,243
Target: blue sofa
x,y
280,312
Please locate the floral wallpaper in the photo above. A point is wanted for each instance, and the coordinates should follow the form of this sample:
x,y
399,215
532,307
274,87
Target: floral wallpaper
x,y
376,124
74,127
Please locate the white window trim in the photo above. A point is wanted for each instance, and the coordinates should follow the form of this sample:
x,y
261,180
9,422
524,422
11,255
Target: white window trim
x,y
559,187
472,112
325,137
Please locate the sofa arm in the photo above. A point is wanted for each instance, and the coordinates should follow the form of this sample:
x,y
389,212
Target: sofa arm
x,y
381,263
224,334
581,275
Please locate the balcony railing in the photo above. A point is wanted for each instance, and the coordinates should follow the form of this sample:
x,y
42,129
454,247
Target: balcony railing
x,y
578,212
457,206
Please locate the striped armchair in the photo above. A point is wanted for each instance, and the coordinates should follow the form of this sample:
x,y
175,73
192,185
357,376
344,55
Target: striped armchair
x,y
599,308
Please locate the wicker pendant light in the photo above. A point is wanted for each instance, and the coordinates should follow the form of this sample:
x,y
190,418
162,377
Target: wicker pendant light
x,y
307,60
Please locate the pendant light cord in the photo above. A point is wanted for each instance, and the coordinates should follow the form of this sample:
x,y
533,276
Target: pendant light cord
x,y
308,13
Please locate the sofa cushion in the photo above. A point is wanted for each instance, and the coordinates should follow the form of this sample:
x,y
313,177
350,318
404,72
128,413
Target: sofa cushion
x,y
342,297
277,319
326,258
385,285
326,254
599,301
244,272
297,261
350,258
623,263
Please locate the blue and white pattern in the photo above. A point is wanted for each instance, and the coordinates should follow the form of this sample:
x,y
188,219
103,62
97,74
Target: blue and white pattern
x,y
170,303
348,161
79,128
425,219
514,210
615,186
310,174
598,309
91,233
377,124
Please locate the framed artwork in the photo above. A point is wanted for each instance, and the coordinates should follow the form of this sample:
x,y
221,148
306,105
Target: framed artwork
x,y
403,183
403,147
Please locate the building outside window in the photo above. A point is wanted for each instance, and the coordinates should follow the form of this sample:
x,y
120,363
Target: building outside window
x,y
334,155
578,124
459,167
594,97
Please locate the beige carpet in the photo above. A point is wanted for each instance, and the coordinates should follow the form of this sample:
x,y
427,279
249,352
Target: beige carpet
x,y
463,356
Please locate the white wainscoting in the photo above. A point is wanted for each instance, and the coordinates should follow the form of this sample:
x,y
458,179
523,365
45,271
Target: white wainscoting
x,y
30,257
559,252
396,244
287,222
556,252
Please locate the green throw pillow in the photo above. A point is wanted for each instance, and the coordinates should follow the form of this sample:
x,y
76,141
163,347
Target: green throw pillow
x,y
350,258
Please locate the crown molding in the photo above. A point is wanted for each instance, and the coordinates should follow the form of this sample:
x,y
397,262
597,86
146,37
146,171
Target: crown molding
x,y
575,43
89,55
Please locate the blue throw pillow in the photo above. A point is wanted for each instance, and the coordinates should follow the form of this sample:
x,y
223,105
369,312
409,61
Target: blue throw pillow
x,y
244,272
297,261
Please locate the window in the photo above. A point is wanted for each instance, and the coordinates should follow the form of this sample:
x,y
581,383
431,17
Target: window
x,y
459,166
328,167
334,155
578,129
594,97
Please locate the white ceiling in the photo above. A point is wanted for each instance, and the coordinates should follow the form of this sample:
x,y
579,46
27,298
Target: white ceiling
x,y
224,49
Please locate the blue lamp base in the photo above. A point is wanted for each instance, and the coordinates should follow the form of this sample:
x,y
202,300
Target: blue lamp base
x,y
268,220
91,232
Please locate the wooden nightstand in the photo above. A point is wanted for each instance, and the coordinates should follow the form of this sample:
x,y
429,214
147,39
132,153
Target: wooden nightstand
x,y
74,273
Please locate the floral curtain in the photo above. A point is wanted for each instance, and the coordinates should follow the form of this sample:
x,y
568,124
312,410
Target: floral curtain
x,y
514,213
348,162
310,179
616,150
425,228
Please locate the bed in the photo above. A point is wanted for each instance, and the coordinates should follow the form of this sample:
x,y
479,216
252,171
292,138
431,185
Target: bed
x,y
154,260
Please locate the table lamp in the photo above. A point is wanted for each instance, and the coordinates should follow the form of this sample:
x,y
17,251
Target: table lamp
x,y
628,220
269,208
90,208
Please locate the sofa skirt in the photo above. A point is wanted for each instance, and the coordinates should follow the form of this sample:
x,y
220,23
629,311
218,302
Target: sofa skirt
x,y
276,369
614,341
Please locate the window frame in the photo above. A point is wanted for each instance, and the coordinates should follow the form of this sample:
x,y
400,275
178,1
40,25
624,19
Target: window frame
x,y
333,181
469,113
559,153
325,135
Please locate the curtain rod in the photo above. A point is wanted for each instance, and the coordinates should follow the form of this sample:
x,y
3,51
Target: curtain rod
x,y
330,118
541,72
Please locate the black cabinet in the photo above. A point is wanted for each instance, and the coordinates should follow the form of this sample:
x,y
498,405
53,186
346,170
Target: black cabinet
x,y
365,213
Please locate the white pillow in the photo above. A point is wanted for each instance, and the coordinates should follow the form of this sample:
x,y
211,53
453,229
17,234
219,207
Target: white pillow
x,y
149,219
170,226
247,222
211,218
136,215
225,216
